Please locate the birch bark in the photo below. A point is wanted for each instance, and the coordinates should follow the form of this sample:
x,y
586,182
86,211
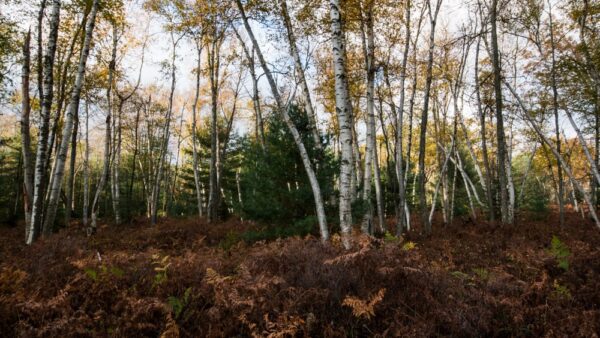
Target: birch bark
x,y
42,147
344,117
69,121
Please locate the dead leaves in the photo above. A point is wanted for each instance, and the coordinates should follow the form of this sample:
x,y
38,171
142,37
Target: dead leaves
x,y
364,308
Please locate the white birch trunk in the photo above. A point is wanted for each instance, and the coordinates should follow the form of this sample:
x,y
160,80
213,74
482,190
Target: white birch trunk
x,y
194,130
86,167
295,134
402,205
369,54
25,133
61,156
308,106
344,117
42,147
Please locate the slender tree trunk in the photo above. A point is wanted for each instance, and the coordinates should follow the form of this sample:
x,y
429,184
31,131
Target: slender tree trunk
x,y
561,194
433,12
438,184
118,131
108,136
70,207
466,182
260,134
135,152
529,166
400,122
259,127
501,143
166,135
68,128
86,166
195,130
115,172
40,161
25,133
290,124
308,106
486,161
214,62
411,106
369,54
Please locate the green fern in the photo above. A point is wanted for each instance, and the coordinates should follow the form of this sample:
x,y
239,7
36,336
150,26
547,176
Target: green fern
x,y
91,273
177,304
388,237
482,273
561,252
561,291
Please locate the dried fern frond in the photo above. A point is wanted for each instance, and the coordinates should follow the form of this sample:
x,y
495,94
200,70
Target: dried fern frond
x,y
214,278
361,308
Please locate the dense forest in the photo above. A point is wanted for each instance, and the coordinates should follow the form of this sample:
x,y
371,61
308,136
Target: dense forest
x,y
299,168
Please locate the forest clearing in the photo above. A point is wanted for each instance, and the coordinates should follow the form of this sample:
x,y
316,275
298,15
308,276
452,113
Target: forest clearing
x,y
299,168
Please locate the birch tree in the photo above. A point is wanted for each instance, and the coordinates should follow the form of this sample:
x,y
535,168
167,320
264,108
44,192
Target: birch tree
x,y
158,176
61,157
343,109
198,42
320,209
433,14
500,137
25,132
108,134
42,146
298,66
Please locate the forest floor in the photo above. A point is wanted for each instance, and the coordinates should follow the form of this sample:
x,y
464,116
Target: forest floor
x,y
186,278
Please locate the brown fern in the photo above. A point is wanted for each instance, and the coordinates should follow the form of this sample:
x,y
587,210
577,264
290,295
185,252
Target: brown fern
x,y
361,308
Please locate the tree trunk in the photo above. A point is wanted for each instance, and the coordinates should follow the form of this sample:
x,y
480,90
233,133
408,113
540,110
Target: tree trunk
x,y
86,166
486,161
214,62
501,143
400,129
108,135
290,124
527,170
259,127
368,41
165,145
70,208
308,106
344,117
561,194
40,161
195,130
25,133
40,57
73,109
426,219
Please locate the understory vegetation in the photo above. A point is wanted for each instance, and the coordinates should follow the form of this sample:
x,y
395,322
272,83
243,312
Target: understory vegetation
x,y
185,278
